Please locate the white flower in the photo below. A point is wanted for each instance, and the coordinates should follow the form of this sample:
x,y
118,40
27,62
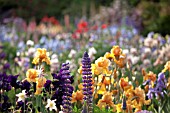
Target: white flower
x,y
60,112
72,53
31,51
147,50
18,53
154,43
146,62
21,96
125,51
51,105
30,43
133,50
54,59
148,41
135,59
54,56
92,51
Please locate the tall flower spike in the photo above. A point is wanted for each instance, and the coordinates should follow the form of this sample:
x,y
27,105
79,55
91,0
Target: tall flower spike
x,y
68,89
87,81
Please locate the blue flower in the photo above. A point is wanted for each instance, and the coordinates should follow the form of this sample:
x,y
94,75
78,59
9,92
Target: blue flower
x,y
158,90
6,66
87,80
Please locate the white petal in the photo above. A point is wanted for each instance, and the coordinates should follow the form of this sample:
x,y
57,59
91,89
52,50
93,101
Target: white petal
x,y
47,106
48,101
53,100
50,109
54,107
17,95
19,99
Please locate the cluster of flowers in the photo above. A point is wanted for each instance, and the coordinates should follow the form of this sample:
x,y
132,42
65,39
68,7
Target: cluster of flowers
x,y
35,89
113,89
108,83
153,46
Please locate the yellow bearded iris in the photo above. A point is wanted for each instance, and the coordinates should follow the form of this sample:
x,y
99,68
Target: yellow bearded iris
x,y
41,56
31,75
116,51
40,84
77,96
106,101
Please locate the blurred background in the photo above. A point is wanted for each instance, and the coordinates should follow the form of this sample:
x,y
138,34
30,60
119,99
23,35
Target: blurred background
x,y
144,15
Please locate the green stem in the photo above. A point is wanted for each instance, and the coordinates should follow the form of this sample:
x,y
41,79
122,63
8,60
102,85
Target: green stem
x,y
15,100
24,106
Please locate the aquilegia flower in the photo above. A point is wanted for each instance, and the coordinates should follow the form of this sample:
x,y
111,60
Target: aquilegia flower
x,y
21,96
51,105
87,81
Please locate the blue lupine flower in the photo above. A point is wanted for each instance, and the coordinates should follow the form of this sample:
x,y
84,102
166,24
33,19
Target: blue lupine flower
x,y
68,89
63,90
87,80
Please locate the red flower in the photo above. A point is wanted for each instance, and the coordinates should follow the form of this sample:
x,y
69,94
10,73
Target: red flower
x,y
50,19
45,19
53,20
82,26
76,35
104,26
79,31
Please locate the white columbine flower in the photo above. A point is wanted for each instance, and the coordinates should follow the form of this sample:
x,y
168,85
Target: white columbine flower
x,y
51,105
30,43
21,96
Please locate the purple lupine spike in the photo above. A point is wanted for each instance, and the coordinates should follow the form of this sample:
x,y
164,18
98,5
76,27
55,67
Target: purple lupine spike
x,y
68,89
87,81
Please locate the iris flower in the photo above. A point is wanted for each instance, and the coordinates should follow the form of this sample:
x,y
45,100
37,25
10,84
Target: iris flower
x,y
107,100
41,56
77,96
31,75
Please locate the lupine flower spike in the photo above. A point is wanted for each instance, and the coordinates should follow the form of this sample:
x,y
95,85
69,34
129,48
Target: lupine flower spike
x,y
87,81
68,89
